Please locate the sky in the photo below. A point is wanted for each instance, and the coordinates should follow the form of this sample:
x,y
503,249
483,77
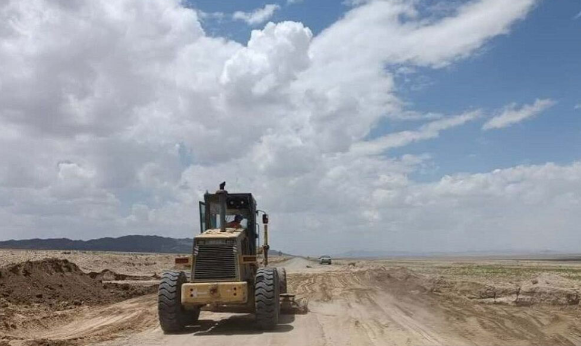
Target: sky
x,y
362,125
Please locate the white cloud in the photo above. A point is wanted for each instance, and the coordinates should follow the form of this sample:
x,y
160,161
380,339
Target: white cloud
x,y
422,42
525,207
257,16
512,114
399,139
211,15
124,113
577,106
271,61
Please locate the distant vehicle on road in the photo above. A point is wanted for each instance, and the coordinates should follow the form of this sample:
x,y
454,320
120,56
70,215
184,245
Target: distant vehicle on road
x,y
325,259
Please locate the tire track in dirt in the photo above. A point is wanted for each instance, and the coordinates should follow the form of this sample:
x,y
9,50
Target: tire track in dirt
x,y
94,324
375,316
109,322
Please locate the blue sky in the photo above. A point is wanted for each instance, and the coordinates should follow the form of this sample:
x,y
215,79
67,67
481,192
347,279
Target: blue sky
x,y
540,58
317,15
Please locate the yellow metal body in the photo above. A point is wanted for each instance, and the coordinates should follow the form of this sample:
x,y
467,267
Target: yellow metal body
x,y
214,293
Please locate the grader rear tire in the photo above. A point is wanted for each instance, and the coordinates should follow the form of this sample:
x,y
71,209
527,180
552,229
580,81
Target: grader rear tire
x,y
172,316
282,279
267,298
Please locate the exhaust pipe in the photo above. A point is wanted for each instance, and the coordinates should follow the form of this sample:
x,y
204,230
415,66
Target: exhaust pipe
x,y
222,194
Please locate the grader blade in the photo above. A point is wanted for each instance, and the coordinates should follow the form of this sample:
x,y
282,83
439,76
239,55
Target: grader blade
x,y
289,305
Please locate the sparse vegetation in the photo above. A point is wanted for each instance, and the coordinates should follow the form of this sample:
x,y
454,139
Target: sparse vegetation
x,y
509,271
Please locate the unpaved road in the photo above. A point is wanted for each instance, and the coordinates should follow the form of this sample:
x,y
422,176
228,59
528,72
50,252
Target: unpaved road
x,y
367,303
344,310
375,306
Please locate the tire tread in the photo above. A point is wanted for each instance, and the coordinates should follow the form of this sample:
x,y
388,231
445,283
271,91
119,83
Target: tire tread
x,y
267,298
172,316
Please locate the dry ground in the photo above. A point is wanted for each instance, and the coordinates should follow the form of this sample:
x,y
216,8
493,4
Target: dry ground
x,y
458,301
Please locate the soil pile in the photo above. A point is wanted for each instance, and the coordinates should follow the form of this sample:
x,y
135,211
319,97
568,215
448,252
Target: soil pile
x,y
548,288
59,283
109,275
545,288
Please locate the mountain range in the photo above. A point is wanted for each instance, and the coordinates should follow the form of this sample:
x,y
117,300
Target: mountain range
x,y
130,243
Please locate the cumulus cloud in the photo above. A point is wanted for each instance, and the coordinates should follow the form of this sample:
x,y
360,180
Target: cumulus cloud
x,y
258,16
124,113
512,114
271,61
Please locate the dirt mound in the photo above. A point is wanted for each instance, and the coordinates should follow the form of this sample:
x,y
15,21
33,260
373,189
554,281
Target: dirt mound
x,y
59,283
355,284
47,266
109,275
546,288
395,280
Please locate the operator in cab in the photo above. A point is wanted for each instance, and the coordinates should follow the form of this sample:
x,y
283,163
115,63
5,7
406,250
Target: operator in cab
x,y
236,223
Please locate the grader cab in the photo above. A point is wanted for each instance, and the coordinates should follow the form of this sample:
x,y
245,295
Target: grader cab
x,y
226,274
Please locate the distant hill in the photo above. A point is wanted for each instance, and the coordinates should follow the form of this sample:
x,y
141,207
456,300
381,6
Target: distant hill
x,y
130,243
366,254
540,254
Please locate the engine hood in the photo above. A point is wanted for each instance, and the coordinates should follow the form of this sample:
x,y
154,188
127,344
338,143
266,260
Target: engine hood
x,y
215,233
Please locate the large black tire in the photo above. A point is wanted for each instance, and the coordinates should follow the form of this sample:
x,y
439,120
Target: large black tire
x,y
282,279
267,298
172,316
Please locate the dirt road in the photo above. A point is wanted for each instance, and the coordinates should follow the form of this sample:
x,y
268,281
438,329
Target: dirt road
x,y
363,303
376,306
344,310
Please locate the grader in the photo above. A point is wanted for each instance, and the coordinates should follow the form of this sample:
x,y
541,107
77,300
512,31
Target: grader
x,y
226,273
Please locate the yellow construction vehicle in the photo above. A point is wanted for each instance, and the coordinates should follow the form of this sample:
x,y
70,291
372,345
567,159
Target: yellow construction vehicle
x,y
225,272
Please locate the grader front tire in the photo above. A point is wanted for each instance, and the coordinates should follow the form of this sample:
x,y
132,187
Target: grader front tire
x,y
267,298
172,316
